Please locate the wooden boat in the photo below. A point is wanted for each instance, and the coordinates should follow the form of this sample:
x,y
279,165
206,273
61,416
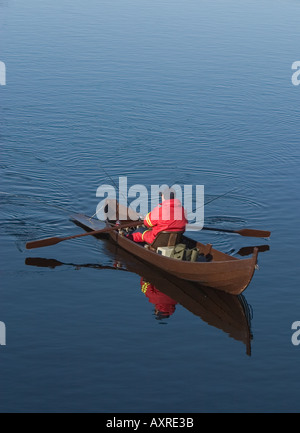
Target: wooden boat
x,y
223,272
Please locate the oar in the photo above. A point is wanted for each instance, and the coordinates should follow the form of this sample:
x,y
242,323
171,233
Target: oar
x,y
242,232
247,251
55,240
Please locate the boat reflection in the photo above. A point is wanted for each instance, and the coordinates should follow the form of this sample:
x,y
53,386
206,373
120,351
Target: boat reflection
x,y
229,313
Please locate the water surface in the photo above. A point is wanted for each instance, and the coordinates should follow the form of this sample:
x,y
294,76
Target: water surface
x,y
194,92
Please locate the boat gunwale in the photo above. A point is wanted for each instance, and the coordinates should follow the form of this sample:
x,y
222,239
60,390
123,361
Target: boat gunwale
x,y
230,260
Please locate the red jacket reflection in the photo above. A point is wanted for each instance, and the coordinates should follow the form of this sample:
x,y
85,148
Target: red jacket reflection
x,y
163,303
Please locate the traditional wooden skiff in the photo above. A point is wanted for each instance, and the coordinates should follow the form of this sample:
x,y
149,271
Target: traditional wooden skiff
x,y
223,272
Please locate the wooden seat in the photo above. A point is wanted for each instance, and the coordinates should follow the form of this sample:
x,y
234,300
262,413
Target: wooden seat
x,y
166,239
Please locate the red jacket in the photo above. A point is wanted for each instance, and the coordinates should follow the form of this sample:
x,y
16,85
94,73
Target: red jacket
x,y
163,303
169,216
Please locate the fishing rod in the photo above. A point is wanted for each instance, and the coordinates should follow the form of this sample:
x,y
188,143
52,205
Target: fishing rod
x,y
117,188
129,204
115,185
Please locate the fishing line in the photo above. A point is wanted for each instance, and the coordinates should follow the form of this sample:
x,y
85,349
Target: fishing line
x,y
213,199
129,204
117,188
37,200
115,185
98,210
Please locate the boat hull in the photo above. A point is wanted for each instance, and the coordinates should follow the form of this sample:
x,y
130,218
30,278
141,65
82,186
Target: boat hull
x,y
230,275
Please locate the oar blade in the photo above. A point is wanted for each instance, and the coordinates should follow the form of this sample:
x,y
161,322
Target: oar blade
x,y
42,263
247,251
254,233
43,243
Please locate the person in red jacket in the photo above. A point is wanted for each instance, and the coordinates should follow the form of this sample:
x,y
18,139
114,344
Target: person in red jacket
x,y
168,216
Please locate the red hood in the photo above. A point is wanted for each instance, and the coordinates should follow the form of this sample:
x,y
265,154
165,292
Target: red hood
x,y
172,203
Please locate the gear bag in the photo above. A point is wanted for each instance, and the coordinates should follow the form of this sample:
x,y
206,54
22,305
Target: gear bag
x,y
181,252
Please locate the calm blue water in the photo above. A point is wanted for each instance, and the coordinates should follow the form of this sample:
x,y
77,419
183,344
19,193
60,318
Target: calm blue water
x,y
195,92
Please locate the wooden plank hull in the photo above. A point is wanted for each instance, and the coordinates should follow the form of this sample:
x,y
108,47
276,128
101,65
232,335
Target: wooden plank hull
x,y
224,272
231,276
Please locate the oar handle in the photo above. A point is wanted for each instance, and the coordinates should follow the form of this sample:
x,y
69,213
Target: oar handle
x,y
214,229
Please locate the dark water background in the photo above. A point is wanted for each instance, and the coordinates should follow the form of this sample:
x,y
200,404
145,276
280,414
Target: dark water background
x,y
193,92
